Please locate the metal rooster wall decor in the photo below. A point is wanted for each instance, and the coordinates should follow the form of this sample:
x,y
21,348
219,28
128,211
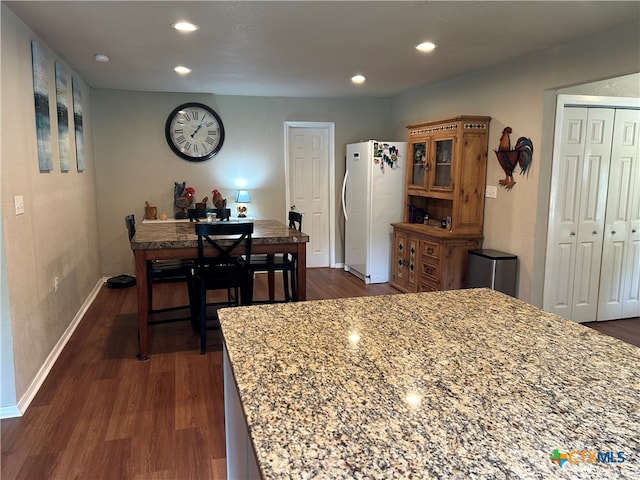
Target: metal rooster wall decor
x,y
508,158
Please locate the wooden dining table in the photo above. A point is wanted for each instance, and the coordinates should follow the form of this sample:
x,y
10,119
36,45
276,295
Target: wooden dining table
x,y
174,240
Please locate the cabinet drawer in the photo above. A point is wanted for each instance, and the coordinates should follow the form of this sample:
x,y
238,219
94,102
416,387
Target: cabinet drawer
x,y
430,272
428,286
430,250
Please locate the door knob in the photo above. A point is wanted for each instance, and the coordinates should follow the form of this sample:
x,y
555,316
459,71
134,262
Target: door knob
x,y
595,233
613,232
573,234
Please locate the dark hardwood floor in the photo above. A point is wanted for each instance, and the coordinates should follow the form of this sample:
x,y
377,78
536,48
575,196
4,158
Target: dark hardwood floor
x,y
627,330
101,414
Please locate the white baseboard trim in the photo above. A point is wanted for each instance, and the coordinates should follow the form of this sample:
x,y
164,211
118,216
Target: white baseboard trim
x,y
24,402
10,412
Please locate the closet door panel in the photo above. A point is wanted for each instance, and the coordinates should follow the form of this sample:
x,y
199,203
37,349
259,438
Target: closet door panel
x,y
620,261
631,303
563,215
593,201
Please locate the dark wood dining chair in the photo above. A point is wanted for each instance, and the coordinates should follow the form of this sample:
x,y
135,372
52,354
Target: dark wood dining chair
x,y
224,252
163,271
285,263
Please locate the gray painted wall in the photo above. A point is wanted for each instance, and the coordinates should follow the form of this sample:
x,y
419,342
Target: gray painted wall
x,y
521,94
57,236
134,163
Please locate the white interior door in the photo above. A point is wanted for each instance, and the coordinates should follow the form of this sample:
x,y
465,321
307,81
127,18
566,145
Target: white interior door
x,y
576,220
619,280
309,188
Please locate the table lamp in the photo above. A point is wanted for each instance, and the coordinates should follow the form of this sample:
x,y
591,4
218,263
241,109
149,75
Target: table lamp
x,y
242,197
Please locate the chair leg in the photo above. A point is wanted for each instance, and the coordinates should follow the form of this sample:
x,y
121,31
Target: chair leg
x,y
203,318
150,294
285,285
294,284
192,292
246,290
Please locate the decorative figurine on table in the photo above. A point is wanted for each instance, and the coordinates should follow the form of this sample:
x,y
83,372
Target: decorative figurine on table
x,y
508,159
182,198
217,199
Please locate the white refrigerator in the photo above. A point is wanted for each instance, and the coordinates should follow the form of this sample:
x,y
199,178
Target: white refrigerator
x,y
372,193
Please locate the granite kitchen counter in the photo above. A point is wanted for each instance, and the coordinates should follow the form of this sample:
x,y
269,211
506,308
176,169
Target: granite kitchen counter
x,y
453,385
180,235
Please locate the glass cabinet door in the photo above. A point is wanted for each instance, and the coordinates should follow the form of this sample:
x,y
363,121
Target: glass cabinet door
x,y
443,155
418,163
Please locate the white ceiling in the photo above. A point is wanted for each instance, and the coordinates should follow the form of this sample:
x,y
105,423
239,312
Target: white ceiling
x,y
304,48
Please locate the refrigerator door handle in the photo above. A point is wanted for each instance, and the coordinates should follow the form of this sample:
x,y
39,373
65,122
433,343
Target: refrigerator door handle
x,y
344,189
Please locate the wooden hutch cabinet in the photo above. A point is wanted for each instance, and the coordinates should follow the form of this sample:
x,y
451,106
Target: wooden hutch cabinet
x,y
444,203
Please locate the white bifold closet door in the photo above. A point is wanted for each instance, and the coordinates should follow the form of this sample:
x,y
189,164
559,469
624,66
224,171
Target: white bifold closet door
x,y
593,252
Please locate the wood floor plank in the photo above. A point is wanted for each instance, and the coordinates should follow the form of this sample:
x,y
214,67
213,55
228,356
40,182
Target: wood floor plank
x,y
38,466
18,443
154,432
101,414
88,431
129,400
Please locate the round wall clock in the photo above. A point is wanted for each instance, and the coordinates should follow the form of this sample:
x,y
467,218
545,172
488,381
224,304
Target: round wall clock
x,y
194,132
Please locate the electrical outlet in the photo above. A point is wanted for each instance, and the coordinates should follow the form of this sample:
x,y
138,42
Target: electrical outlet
x,y
19,203
491,191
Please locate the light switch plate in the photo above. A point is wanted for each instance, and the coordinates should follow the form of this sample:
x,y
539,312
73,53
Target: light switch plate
x,y
491,191
19,203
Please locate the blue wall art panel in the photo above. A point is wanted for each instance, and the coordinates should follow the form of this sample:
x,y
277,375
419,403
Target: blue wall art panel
x,y
77,120
41,97
64,139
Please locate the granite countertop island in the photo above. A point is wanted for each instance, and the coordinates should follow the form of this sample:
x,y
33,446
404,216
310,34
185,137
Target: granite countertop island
x,y
446,385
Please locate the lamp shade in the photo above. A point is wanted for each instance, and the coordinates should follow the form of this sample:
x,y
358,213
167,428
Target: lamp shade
x,y
242,196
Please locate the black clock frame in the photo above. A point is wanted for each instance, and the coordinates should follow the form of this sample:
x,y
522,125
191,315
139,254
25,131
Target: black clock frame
x,y
175,149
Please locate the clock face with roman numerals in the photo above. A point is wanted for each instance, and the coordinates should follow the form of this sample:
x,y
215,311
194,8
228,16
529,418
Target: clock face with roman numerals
x,y
194,132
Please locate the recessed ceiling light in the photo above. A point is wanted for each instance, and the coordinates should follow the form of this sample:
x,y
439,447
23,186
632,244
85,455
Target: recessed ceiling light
x,y
358,79
426,47
182,70
185,27
101,57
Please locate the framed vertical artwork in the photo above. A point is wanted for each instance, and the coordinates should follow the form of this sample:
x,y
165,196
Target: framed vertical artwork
x,y
64,139
77,121
40,65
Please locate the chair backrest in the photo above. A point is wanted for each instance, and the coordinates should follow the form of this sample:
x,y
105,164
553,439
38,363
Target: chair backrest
x,y
295,220
231,243
130,221
221,213
193,215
